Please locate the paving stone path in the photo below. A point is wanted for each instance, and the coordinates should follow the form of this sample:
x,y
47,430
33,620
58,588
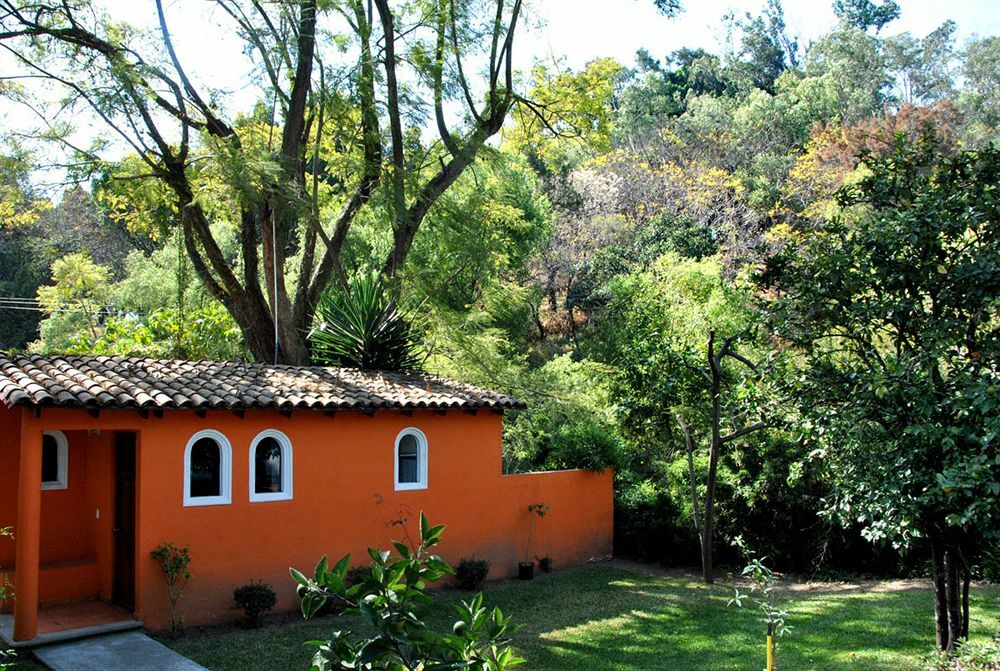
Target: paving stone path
x,y
127,651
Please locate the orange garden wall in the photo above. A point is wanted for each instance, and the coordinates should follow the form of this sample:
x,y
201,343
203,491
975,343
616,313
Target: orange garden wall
x,y
343,501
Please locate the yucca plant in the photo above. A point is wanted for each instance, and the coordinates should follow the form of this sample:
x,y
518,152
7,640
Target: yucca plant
x,y
362,326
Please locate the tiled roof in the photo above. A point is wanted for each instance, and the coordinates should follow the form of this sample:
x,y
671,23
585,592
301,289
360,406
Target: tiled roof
x,y
113,382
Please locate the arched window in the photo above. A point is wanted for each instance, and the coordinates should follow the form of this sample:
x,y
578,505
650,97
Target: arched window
x,y
411,460
270,467
55,460
207,470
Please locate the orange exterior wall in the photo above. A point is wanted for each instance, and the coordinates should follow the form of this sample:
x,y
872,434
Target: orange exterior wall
x,y
344,501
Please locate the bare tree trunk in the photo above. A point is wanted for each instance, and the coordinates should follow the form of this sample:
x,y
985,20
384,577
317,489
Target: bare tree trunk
x,y
954,602
966,580
695,512
938,578
713,461
713,376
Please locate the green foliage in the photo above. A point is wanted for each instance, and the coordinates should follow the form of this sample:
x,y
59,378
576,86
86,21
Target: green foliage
x,y
650,524
363,327
471,573
895,305
479,238
569,408
173,563
981,93
761,595
970,656
654,329
578,110
897,310
155,310
866,14
255,599
393,603
199,334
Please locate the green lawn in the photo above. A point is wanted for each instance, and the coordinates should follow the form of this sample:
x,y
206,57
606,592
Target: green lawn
x,y
625,617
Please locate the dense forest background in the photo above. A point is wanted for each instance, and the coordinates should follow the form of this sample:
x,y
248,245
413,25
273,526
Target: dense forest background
x,y
581,263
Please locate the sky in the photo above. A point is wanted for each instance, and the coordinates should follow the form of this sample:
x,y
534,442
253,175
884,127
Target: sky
x,y
581,30
578,31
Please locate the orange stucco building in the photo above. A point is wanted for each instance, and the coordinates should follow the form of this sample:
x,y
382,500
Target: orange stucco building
x,y
255,468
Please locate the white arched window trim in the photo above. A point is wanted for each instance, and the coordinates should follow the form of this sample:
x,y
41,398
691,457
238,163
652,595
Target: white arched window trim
x,y
62,462
225,471
421,460
286,467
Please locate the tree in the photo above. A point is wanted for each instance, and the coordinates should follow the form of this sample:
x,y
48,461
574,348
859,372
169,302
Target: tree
x,y
668,7
716,382
674,335
865,14
79,292
923,65
981,93
766,49
895,305
21,271
292,177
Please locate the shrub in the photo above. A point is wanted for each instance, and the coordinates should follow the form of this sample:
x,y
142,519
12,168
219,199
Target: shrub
x,y
393,605
255,599
174,564
970,656
471,573
649,525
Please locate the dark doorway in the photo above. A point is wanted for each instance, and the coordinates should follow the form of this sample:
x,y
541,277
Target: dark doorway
x,y
123,584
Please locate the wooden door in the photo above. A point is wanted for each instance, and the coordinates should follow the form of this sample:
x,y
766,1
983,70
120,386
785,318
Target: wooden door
x,y
123,584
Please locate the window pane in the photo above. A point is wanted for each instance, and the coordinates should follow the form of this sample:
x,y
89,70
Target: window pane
x,y
206,468
267,466
408,459
50,459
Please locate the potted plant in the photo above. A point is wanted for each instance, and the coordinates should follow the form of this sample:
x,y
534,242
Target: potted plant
x,y
526,569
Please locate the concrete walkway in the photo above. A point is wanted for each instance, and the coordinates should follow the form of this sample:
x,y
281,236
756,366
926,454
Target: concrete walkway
x,y
127,651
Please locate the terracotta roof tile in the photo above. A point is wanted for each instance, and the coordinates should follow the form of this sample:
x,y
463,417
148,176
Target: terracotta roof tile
x,y
112,382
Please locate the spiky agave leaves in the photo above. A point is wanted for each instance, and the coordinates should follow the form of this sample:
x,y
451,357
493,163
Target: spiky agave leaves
x,y
362,326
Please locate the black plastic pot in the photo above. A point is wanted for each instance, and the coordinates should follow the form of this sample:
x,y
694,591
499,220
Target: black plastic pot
x,y
526,570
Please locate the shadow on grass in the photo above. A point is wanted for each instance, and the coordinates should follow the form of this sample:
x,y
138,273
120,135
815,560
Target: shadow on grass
x,y
607,617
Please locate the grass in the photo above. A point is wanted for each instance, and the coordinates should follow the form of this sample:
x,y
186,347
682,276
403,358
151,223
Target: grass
x,y
626,617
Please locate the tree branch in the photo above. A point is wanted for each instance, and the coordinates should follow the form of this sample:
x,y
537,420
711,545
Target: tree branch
x,y
742,432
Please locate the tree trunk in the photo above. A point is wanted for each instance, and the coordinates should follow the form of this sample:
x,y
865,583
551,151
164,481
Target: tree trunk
x,y
940,592
713,461
952,567
966,579
695,514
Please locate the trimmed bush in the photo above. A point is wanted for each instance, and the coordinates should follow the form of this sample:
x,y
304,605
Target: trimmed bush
x,y
255,599
471,573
